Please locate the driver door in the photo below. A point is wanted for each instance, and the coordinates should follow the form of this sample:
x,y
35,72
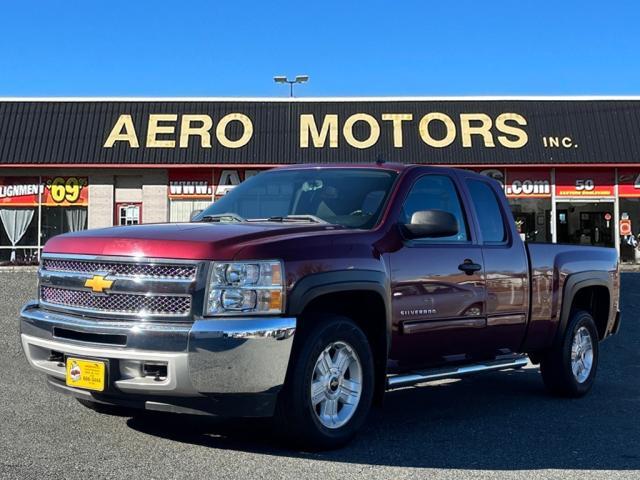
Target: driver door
x,y
438,305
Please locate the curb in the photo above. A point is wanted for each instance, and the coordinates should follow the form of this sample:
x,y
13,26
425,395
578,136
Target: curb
x,y
19,268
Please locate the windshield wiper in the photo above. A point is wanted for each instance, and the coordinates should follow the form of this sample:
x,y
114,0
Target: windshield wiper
x,y
223,217
297,218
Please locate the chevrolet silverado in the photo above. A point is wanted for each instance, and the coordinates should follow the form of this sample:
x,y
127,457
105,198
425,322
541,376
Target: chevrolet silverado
x,y
307,292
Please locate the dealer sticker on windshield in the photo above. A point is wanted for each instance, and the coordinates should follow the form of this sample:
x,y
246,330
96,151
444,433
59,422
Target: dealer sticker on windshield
x,y
87,374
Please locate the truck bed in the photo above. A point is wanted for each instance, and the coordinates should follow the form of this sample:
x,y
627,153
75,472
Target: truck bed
x,y
553,267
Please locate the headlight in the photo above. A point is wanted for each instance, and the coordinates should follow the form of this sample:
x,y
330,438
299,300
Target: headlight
x,y
245,288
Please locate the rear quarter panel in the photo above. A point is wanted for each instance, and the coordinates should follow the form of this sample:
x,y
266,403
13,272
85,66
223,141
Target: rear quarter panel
x,y
552,265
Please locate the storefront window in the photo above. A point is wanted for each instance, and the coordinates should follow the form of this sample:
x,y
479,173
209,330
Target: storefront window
x,y
630,230
19,234
34,209
57,220
529,194
589,223
128,213
585,204
532,217
629,221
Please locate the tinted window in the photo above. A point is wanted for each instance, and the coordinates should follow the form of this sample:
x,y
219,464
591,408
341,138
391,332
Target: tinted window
x,y
488,211
436,192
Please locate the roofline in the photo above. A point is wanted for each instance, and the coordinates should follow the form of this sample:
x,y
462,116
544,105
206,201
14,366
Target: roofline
x,y
463,98
171,166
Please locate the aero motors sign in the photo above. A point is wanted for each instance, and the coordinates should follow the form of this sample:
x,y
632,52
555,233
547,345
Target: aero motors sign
x,y
585,183
435,129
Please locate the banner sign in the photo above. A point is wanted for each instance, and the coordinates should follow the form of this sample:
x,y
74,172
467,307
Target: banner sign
x,y
191,184
521,183
66,191
53,191
628,183
20,191
584,183
528,183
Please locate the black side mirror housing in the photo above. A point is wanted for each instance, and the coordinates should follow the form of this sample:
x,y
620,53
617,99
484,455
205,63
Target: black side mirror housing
x,y
431,224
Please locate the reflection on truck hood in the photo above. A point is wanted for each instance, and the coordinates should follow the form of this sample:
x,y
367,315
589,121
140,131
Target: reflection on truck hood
x,y
193,241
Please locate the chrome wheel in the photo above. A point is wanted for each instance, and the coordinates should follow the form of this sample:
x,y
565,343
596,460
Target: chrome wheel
x,y
581,354
336,385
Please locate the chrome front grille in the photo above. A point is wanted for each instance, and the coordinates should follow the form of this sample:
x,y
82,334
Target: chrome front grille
x,y
112,288
123,303
121,269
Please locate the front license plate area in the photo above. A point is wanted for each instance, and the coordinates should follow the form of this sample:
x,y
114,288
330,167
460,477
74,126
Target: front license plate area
x,y
85,373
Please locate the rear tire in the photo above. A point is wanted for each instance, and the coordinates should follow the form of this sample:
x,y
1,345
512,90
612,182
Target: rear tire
x,y
330,384
569,368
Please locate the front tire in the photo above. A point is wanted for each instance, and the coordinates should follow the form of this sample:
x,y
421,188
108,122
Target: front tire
x,y
329,388
569,368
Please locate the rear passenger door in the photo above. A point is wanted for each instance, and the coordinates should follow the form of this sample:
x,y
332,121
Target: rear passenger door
x,y
505,264
438,307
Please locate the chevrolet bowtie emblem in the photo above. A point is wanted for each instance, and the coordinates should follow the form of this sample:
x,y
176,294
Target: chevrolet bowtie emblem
x,y
98,283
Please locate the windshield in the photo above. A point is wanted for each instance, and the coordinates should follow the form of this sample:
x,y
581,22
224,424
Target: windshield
x,y
351,197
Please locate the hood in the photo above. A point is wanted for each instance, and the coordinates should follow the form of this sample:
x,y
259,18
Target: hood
x,y
191,241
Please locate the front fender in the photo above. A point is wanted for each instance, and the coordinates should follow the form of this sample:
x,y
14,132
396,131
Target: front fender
x,y
313,286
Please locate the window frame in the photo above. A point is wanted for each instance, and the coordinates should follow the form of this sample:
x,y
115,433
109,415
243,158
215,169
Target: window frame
x,y
471,232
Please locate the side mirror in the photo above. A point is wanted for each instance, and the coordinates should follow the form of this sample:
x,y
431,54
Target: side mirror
x,y
431,224
194,214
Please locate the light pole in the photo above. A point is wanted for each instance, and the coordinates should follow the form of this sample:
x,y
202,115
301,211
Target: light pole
x,y
298,79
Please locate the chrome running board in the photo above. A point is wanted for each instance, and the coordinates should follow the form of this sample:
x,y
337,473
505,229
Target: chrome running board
x,y
411,378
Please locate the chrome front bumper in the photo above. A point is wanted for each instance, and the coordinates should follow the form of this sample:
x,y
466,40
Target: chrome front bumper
x,y
205,359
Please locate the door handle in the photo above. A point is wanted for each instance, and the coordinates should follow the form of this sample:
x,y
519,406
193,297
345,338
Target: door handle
x,y
469,267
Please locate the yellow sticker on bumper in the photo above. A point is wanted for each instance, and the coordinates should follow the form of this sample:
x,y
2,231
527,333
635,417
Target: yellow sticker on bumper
x,y
87,374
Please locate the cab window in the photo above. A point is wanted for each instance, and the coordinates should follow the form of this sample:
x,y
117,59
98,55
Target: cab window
x,y
488,211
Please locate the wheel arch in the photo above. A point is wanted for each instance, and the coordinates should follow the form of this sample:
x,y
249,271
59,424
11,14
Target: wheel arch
x,y
362,295
590,291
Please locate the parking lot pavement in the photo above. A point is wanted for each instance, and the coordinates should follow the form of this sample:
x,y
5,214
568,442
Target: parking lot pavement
x,y
498,425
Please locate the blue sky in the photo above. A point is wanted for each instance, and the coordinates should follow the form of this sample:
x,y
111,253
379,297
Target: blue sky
x,y
184,48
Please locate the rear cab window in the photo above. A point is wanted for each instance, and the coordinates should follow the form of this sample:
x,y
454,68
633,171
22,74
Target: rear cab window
x,y
488,211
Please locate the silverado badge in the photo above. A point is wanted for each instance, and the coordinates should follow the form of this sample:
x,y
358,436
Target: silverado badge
x,y
98,283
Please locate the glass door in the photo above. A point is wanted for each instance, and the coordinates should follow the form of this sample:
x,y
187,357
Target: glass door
x,y
586,223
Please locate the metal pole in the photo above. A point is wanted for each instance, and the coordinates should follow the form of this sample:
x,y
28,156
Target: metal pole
x,y
291,89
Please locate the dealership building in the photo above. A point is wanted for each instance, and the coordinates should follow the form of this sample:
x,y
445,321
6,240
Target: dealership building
x,y
569,166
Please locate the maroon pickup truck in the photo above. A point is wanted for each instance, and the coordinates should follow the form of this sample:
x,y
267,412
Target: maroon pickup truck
x,y
307,292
